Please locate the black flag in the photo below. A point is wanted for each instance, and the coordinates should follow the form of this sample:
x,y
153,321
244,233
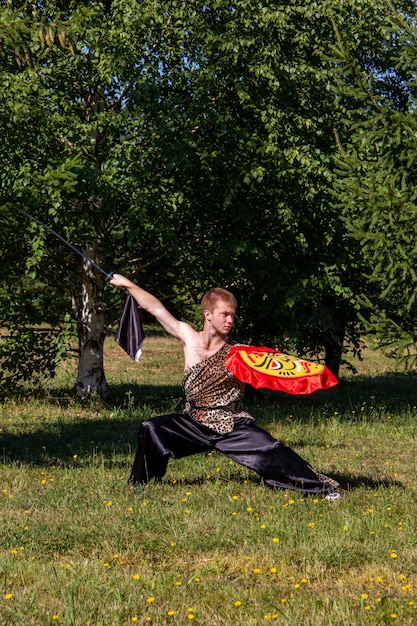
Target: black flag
x,y
130,333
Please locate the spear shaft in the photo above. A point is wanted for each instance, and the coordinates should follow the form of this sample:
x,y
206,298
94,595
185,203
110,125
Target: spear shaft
x,y
108,275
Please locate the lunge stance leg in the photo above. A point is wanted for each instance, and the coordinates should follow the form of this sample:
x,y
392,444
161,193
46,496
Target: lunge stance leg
x,y
164,437
276,463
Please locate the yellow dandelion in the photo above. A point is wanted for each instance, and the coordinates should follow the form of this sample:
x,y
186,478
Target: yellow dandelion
x,y
178,583
171,613
275,540
136,576
134,618
364,596
367,608
393,554
393,616
256,570
249,509
235,497
311,524
8,596
238,603
150,600
273,570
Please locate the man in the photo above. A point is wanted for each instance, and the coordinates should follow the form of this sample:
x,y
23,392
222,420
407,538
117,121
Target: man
x,y
213,419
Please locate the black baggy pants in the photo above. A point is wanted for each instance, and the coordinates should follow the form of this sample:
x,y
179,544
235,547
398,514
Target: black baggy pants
x,y
179,435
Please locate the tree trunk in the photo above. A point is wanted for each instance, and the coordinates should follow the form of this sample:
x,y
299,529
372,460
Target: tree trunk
x,y
333,350
91,380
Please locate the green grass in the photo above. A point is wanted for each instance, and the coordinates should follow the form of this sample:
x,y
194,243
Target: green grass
x,y
210,545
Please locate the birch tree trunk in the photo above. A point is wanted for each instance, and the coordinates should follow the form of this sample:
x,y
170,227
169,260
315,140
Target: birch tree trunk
x,y
91,380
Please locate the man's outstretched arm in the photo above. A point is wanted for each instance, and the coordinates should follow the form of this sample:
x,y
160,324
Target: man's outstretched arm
x,y
154,306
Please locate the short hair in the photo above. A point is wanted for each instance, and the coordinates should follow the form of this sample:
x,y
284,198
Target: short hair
x,y
212,297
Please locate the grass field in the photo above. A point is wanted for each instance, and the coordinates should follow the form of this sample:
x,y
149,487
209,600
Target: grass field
x,y
210,545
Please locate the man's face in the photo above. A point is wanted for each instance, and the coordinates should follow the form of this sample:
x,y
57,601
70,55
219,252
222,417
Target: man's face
x,y
222,317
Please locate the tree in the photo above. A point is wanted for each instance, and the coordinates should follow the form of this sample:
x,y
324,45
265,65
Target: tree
x,y
74,138
377,183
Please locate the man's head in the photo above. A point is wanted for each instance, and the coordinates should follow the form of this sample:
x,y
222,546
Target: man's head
x,y
214,296
219,307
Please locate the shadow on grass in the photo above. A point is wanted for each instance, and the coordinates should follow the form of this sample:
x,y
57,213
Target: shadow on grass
x,y
66,444
396,393
346,483
112,443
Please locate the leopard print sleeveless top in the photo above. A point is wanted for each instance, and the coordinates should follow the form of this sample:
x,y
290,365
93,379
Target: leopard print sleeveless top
x,y
213,393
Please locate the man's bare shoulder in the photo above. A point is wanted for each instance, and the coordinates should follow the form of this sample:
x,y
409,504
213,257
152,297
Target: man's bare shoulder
x,y
188,335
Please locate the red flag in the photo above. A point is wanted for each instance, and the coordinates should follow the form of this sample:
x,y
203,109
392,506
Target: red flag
x,y
266,367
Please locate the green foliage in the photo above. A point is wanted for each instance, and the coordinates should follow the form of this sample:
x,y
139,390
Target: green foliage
x,y
377,184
